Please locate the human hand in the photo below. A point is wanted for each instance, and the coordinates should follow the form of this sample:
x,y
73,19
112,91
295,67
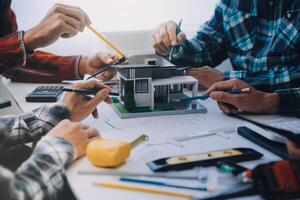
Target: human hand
x,y
206,76
81,106
61,21
90,65
76,133
164,37
254,101
293,149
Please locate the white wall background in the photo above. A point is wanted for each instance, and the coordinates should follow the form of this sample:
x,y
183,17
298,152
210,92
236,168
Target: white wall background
x,y
115,16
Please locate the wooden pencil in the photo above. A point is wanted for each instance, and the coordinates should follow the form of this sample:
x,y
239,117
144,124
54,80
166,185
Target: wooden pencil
x,y
146,190
111,45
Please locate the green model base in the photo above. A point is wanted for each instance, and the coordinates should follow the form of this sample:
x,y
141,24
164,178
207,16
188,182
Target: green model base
x,y
159,110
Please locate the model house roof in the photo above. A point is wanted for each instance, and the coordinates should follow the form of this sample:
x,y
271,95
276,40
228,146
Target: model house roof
x,y
135,66
174,80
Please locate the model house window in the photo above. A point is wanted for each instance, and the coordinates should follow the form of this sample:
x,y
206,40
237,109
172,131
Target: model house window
x,y
141,86
175,89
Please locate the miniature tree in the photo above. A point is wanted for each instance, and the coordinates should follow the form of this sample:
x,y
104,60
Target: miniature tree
x,y
129,101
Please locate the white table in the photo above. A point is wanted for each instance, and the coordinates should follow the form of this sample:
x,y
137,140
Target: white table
x,y
157,128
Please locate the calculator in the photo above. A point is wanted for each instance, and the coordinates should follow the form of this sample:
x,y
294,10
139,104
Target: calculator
x,y
45,94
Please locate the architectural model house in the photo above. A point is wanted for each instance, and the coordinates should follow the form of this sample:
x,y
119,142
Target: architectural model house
x,y
150,89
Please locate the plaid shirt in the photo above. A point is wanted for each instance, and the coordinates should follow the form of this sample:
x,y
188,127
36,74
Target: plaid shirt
x,y
42,176
260,37
21,65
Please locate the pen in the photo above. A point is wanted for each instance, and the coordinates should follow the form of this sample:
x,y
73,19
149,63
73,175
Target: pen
x,y
129,174
87,91
177,32
204,97
107,67
146,190
159,183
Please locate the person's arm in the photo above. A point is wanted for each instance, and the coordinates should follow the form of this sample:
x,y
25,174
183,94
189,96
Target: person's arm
x,y
24,128
266,80
208,47
289,101
45,67
12,51
42,176
253,101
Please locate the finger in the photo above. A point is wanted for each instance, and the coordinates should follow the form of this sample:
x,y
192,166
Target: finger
x,y
93,138
226,108
171,29
100,96
164,35
68,31
181,37
95,114
224,97
72,12
102,86
84,127
160,43
72,22
293,149
86,17
220,86
108,100
91,84
107,75
100,59
92,132
155,44
157,47
195,73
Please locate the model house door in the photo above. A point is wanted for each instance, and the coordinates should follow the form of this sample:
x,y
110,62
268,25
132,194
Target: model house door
x,y
161,94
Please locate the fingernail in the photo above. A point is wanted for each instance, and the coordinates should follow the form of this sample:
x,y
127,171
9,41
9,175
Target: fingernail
x,y
174,43
106,92
110,60
212,95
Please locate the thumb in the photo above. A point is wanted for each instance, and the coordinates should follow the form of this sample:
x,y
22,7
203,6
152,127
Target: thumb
x,y
100,59
222,97
180,37
98,98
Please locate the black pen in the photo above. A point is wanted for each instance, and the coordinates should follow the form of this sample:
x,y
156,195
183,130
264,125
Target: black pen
x,y
204,97
87,91
107,67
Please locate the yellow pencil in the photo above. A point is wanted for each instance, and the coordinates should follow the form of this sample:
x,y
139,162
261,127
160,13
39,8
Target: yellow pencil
x,y
139,189
106,41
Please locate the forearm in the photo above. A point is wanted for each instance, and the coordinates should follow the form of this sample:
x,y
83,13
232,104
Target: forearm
x,y
12,51
207,47
42,176
289,101
16,130
44,67
277,77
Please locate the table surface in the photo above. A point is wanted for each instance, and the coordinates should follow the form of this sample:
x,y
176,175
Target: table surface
x,y
160,130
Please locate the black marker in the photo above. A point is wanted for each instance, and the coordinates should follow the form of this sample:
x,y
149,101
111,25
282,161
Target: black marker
x,y
88,91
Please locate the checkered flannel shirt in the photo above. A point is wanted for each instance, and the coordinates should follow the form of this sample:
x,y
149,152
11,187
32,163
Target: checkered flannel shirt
x,y
42,176
21,65
260,37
